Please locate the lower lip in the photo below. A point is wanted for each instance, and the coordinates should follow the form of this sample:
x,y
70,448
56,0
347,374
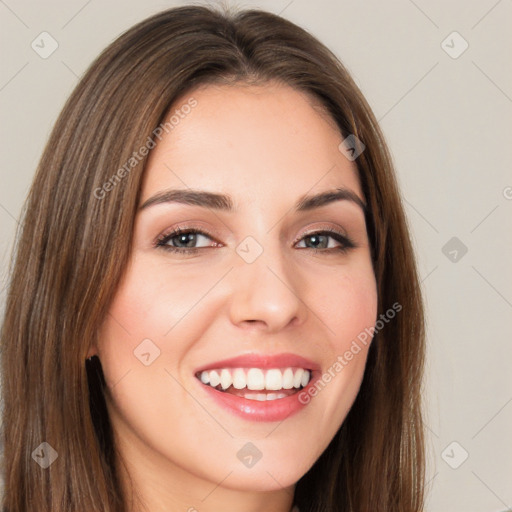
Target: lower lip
x,y
255,410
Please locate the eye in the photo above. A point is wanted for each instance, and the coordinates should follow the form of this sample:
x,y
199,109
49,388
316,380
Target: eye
x,y
184,240
320,241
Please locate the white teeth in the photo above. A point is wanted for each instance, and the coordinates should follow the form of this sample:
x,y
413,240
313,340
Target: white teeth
x,y
297,378
288,378
256,379
305,378
214,379
274,380
262,396
225,379
239,380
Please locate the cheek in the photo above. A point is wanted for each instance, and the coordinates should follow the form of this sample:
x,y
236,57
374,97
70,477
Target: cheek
x,y
350,305
142,344
349,313
131,339
150,304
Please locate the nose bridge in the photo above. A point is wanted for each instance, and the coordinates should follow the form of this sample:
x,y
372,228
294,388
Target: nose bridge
x,y
266,288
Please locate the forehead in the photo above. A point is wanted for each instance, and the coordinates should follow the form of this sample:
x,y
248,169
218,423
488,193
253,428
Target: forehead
x,y
253,141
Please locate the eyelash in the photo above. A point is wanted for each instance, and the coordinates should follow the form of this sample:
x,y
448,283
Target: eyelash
x,y
161,242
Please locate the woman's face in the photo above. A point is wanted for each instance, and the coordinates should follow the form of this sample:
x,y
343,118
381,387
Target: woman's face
x,y
263,294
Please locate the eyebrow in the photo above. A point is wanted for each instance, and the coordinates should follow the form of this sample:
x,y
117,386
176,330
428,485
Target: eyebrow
x,y
225,202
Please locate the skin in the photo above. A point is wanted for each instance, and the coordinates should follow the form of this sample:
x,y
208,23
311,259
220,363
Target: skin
x,y
266,146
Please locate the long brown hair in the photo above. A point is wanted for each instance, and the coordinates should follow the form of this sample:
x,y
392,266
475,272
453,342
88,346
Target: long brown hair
x,y
74,245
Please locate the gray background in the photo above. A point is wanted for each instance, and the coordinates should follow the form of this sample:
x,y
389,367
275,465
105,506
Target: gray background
x,y
446,116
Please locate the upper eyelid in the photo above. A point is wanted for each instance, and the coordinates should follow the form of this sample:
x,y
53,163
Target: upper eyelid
x,y
180,230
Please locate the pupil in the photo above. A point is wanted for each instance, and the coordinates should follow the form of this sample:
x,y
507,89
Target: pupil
x,y
183,238
316,237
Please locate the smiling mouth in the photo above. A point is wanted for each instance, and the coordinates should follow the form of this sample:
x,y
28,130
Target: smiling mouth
x,y
257,383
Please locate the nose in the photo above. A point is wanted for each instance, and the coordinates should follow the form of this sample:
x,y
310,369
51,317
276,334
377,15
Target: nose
x,y
267,293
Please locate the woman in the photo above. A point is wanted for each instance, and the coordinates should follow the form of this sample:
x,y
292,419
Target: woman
x,y
272,361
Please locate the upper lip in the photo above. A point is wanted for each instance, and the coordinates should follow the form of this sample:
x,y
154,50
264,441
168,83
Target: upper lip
x,y
255,360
